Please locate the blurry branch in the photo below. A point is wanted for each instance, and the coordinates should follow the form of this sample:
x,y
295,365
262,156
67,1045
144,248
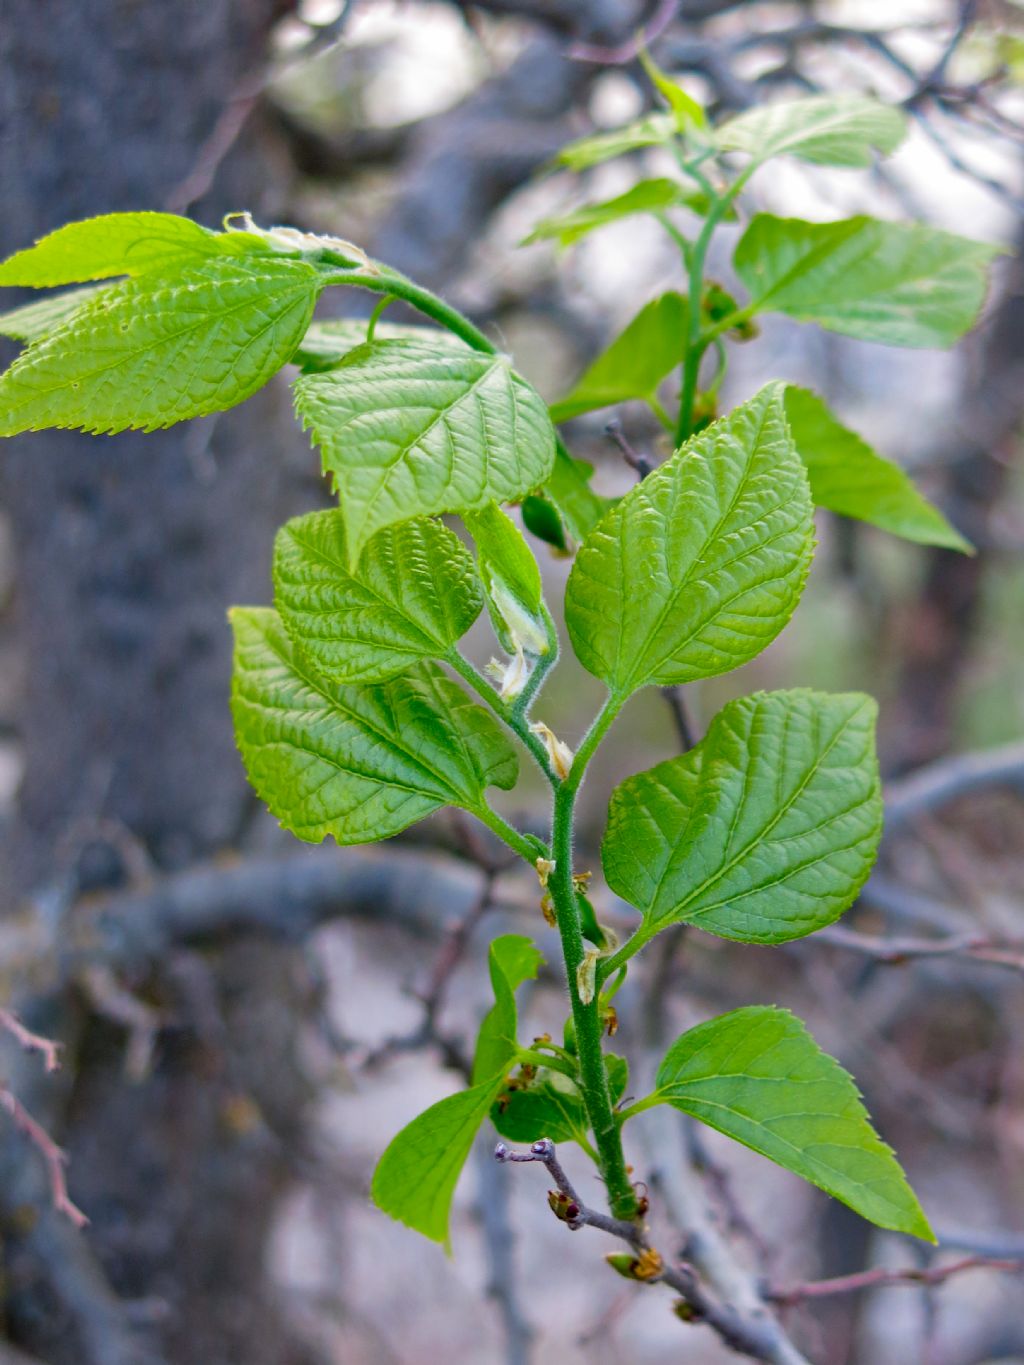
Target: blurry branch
x,y
499,1237
31,1042
949,778
53,1157
760,1339
881,1278
979,947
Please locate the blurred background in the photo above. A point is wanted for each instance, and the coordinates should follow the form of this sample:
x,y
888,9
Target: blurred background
x,y
245,1021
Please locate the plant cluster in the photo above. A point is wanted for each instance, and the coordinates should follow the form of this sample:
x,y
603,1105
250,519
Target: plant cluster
x,y
355,710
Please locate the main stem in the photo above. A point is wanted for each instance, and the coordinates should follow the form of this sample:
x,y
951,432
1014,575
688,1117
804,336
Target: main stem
x,y
587,1017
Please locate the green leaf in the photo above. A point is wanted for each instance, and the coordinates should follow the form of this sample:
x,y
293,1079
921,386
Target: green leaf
x,y
34,320
758,1076
850,478
511,580
120,244
512,959
154,351
412,595
543,520
687,112
551,1106
635,363
407,429
416,1177
647,196
568,489
654,130
329,341
699,567
899,283
764,832
832,130
359,762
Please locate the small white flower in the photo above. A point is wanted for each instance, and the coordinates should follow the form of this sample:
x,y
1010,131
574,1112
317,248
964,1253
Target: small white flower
x,y
560,754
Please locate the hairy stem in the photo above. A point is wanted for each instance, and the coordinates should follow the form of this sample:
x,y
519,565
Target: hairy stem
x,y
514,717
527,848
586,1016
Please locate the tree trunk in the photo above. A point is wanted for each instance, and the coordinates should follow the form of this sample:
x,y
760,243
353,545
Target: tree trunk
x,y
128,551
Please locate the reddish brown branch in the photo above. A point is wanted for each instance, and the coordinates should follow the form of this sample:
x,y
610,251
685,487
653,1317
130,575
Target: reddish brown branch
x,y
53,1156
880,1278
31,1042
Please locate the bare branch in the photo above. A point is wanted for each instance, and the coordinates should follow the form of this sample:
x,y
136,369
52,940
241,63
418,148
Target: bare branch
x,y
31,1042
882,1278
52,1155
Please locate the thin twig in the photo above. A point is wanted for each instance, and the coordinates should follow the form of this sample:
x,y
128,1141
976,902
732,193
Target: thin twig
x,y
53,1156
31,1042
979,947
881,1278
759,1340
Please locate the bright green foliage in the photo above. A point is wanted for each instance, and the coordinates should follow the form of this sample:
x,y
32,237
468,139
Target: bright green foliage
x,y
759,1077
129,358
512,959
568,490
359,762
635,363
349,724
551,1106
833,130
412,595
33,320
652,131
850,478
121,244
646,196
406,429
416,1177
764,832
327,342
901,283
700,566
688,114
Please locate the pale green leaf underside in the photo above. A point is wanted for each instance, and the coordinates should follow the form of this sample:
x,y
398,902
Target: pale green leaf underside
x,y
512,959
416,1177
412,595
899,283
162,348
34,320
356,761
700,566
406,429
850,478
650,131
647,196
833,130
329,341
120,244
764,832
635,363
759,1077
